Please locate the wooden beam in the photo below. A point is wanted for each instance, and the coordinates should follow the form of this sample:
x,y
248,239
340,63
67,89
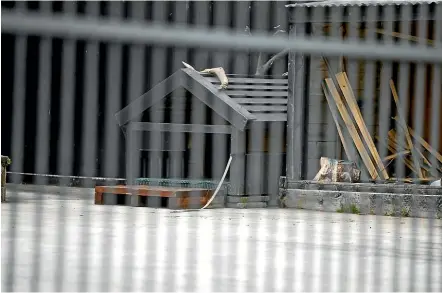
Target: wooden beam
x,y
216,99
392,133
346,144
172,127
354,109
352,129
392,147
153,96
426,145
396,145
407,134
390,157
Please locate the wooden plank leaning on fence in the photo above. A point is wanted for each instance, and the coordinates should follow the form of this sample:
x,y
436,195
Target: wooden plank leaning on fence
x,y
406,132
335,115
347,91
351,128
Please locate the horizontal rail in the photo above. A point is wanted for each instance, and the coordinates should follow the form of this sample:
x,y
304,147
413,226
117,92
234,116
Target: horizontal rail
x,y
257,93
271,117
257,87
171,127
265,108
273,101
116,31
248,80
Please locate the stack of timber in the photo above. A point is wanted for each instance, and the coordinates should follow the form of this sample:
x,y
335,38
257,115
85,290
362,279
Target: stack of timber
x,y
415,152
354,134
152,196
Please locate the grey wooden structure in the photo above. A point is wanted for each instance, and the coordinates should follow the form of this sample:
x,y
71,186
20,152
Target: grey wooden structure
x,y
248,105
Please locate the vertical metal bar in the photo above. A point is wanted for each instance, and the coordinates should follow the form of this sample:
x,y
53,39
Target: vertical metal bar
x,y
418,119
238,144
113,99
368,114
352,36
219,156
313,104
111,129
90,110
435,130
275,134
198,115
179,100
19,96
44,100
201,13
65,146
254,181
319,108
242,22
90,132
43,139
220,59
274,281
353,75
296,104
369,73
158,72
317,105
335,32
135,82
255,174
136,89
17,142
384,108
334,66
403,86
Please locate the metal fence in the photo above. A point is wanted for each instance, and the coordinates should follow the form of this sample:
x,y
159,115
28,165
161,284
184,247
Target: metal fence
x,y
113,124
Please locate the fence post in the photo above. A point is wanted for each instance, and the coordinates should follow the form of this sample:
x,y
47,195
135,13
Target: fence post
x,y
5,162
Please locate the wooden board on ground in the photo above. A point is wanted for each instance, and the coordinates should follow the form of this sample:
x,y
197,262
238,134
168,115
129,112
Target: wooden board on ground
x,y
177,197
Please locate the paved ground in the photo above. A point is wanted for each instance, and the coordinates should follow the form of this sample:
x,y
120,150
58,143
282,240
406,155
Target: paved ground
x,y
53,242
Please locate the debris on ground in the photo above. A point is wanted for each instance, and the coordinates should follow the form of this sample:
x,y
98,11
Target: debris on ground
x,y
337,171
436,183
